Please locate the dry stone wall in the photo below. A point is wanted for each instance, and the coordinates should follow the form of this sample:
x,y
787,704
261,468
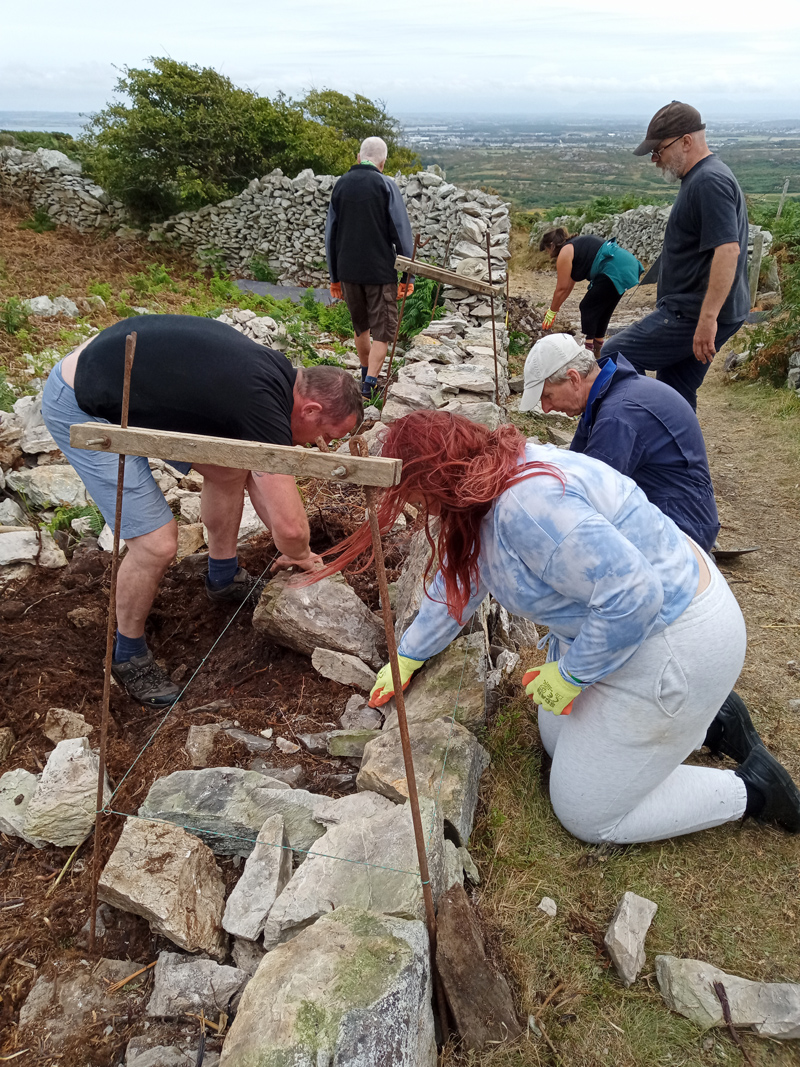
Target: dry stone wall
x,y
50,180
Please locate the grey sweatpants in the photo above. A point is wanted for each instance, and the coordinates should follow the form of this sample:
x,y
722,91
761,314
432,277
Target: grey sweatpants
x,y
617,771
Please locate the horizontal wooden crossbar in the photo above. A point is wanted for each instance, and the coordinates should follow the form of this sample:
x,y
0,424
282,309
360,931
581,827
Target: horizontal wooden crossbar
x,y
448,277
242,455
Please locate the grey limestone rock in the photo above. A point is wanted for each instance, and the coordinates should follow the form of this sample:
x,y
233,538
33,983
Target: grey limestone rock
x,y
349,744
7,741
49,485
16,789
354,988
379,875
62,810
624,939
482,411
460,670
771,1008
358,715
30,546
342,668
226,807
328,614
266,871
184,984
60,724
171,879
448,764
200,743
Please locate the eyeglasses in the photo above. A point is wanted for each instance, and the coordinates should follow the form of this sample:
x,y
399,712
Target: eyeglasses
x,y
657,153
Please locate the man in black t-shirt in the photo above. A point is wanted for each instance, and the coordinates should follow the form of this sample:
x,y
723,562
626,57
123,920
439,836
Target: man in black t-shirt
x,y
703,291
192,375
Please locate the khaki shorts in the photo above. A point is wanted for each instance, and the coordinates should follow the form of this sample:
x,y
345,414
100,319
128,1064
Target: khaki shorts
x,y
373,308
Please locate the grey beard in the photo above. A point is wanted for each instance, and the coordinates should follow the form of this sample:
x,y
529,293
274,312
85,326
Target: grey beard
x,y
669,175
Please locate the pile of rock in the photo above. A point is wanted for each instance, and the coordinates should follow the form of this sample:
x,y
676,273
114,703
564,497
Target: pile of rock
x,y
450,366
50,180
262,329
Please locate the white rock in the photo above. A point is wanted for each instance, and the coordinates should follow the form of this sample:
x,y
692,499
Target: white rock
x,y
11,514
48,486
190,508
60,724
624,939
62,810
30,546
548,906
339,667
16,789
106,540
358,715
771,1008
267,870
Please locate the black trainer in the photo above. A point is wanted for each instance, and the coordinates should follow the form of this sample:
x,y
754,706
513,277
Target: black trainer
x,y
145,682
732,732
772,796
237,590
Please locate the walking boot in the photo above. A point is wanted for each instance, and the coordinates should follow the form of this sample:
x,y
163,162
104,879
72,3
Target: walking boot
x,y
732,732
145,682
772,796
237,590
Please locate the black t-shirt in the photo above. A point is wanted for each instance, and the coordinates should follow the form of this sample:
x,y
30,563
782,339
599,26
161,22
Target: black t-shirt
x,y
586,248
190,375
709,211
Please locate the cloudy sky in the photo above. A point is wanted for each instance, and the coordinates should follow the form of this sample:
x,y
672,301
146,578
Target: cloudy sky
x,y
614,58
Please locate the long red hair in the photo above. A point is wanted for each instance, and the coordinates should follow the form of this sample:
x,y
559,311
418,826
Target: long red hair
x,y
456,468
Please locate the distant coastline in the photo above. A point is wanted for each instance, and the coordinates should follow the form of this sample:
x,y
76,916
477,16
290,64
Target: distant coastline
x,y
50,121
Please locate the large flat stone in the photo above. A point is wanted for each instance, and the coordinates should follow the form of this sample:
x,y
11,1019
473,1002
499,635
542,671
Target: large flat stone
x,y
459,671
771,1008
171,879
352,990
24,545
328,614
266,871
62,810
365,862
226,807
183,984
50,485
339,667
448,764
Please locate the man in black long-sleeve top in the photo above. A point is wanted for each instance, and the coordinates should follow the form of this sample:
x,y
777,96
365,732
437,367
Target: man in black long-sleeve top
x,y
366,228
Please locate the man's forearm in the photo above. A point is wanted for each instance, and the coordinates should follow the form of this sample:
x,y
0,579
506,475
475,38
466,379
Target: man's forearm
x,y
720,279
278,504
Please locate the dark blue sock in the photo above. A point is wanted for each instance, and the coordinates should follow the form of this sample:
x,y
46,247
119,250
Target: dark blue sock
x,y
364,373
126,648
221,572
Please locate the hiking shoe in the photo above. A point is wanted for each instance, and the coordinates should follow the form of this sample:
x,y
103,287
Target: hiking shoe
x,y
369,387
772,796
238,590
732,732
145,682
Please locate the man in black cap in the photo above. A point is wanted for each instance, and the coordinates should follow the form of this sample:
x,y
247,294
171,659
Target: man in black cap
x,y
703,291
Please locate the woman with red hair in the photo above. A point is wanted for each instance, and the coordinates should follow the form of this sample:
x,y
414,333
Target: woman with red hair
x,y
645,642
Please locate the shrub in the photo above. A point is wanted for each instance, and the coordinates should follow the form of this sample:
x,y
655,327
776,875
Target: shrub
x,y
7,395
13,315
39,222
101,289
262,271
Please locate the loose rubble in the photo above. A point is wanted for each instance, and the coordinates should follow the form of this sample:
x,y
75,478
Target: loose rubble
x,y
624,939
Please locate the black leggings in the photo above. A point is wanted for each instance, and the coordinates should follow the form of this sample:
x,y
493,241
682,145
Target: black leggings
x,y
598,305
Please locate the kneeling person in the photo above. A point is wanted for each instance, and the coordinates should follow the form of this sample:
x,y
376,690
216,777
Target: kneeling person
x,y
192,375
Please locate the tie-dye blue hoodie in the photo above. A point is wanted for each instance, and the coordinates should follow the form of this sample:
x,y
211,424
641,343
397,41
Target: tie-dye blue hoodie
x,y
594,561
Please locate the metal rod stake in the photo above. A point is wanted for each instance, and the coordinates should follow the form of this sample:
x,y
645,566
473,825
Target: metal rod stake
x,y
399,321
358,444
130,350
494,332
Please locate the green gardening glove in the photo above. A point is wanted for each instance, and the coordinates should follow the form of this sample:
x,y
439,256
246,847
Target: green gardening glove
x,y
549,689
383,690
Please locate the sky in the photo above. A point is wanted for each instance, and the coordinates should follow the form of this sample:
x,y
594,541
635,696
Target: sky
x,y
606,59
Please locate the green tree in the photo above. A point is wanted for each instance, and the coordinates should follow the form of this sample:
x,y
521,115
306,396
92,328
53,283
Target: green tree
x,y
186,136
359,117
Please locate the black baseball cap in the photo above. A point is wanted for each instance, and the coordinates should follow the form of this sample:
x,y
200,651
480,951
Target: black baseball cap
x,y
674,120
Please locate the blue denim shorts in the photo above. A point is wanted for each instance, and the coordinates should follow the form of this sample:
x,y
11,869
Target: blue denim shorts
x,y
144,508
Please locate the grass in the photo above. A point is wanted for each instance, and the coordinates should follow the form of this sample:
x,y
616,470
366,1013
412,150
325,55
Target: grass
x,y
728,895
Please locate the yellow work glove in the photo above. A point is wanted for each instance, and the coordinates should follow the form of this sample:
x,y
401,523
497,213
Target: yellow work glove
x,y
547,687
383,690
336,290
404,289
548,320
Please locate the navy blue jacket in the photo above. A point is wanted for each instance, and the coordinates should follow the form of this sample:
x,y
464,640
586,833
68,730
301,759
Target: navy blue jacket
x,y
645,429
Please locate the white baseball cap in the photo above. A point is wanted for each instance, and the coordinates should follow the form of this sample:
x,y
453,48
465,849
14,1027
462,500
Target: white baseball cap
x,y
548,355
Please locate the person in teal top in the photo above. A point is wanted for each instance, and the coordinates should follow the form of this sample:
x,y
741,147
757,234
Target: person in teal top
x,y
610,270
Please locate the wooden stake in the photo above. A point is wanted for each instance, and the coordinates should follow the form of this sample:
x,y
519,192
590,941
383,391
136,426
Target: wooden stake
x,y
784,191
130,351
357,444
